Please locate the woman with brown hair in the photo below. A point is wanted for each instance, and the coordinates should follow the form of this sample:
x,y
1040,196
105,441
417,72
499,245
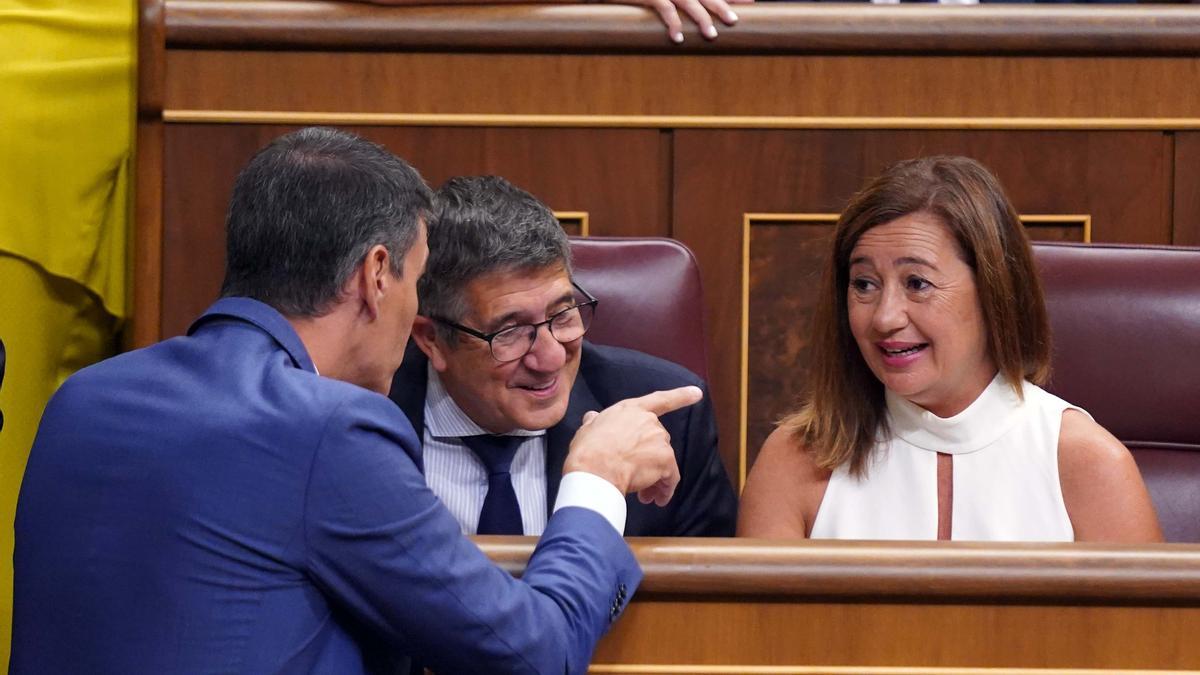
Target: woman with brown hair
x,y
924,417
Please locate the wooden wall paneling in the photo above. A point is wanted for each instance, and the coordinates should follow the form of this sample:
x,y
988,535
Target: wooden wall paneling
x,y
1121,180
777,633
612,175
200,164
761,86
1186,211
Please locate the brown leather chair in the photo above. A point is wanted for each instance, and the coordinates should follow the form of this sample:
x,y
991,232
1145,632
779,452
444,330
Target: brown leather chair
x,y
1126,329
650,296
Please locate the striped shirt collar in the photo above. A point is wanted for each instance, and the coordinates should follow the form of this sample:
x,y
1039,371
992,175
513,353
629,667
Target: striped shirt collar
x,y
444,419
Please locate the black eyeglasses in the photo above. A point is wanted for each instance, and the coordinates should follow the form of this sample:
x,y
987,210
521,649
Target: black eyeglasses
x,y
514,342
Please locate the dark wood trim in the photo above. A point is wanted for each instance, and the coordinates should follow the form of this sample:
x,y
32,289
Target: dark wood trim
x,y
1186,192
934,572
146,246
152,49
922,29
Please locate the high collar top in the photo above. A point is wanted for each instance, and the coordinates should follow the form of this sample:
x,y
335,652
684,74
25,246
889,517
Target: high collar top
x,y
986,419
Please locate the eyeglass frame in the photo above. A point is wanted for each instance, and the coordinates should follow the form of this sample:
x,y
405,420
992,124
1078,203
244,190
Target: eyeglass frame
x,y
591,301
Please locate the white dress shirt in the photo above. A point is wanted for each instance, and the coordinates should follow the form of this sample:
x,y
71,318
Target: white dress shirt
x,y
460,480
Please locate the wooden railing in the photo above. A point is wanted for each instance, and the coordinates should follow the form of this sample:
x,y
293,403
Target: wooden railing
x,y
748,606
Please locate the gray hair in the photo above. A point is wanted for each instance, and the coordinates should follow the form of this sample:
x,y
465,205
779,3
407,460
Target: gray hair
x,y
483,225
306,210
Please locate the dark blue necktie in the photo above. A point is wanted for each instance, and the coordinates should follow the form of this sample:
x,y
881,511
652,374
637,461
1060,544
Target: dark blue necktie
x,y
501,514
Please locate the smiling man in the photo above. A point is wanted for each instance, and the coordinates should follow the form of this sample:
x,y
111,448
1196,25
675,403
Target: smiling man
x,y
244,499
501,377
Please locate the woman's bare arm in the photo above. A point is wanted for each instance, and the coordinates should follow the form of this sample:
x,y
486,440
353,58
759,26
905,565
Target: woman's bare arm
x,y
1102,488
783,491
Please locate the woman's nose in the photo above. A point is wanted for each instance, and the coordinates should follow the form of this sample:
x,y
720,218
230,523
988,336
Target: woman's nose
x,y
891,314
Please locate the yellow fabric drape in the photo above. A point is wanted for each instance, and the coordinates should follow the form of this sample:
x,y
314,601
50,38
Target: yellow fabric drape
x,y
66,128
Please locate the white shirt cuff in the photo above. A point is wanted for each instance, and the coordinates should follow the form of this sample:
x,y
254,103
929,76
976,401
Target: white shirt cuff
x,y
587,490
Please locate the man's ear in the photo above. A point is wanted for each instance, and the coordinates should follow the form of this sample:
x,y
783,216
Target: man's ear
x,y
375,279
424,333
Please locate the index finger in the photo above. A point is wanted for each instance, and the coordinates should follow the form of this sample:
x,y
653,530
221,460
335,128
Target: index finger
x,y
663,402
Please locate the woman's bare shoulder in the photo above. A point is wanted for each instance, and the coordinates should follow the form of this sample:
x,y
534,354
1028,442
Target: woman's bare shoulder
x,y
783,491
1102,487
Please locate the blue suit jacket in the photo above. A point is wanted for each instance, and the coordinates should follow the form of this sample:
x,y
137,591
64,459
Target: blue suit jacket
x,y
704,504
210,504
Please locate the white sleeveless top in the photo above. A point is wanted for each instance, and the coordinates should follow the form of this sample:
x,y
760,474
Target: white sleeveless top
x,y
1006,485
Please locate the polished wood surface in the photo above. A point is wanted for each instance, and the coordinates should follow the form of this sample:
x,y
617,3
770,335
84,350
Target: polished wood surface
x,y
933,604
781,28
767,85
832,570
146,244
1083,111
1187,189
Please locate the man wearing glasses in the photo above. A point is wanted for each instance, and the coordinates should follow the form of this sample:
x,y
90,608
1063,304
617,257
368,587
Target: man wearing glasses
x,y
503,378
245,498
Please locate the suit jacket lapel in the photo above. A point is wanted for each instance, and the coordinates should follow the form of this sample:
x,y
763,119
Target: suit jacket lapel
x,y
558,437
408,391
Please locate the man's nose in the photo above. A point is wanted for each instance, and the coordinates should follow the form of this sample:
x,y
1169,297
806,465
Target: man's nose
x,y
547,354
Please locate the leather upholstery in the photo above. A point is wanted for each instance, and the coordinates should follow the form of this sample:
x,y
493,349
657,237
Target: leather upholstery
x,y
1126,330
650,296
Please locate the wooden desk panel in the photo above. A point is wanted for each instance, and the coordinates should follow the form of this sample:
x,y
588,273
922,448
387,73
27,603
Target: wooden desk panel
x,y
1068,90
738,606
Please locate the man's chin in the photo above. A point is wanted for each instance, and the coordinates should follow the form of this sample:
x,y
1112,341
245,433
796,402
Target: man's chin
x,y
543,415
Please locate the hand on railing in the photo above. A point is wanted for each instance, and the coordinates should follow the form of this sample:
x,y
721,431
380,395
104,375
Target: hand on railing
x,y
700,11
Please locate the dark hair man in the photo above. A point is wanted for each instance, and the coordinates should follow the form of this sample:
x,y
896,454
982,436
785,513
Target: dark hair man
x,y
213,504
500,331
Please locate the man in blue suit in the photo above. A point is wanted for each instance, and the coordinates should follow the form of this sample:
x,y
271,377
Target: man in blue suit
x,y
501,351
245,499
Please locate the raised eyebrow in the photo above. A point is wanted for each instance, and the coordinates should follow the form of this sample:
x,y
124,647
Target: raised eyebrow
x,y
860,260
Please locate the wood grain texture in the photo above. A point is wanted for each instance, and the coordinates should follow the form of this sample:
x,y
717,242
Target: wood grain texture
x,y
785,270
1186,210
770,28
934,572
933,604
687,84
870,632
146,243
1122,179
613,175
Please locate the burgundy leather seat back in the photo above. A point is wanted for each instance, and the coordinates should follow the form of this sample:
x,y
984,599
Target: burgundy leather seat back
x,y
650,296
1126,329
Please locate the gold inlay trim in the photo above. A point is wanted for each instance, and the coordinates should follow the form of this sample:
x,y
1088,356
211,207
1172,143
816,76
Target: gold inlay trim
x,y
673,669
1084,221
674,121
578,218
